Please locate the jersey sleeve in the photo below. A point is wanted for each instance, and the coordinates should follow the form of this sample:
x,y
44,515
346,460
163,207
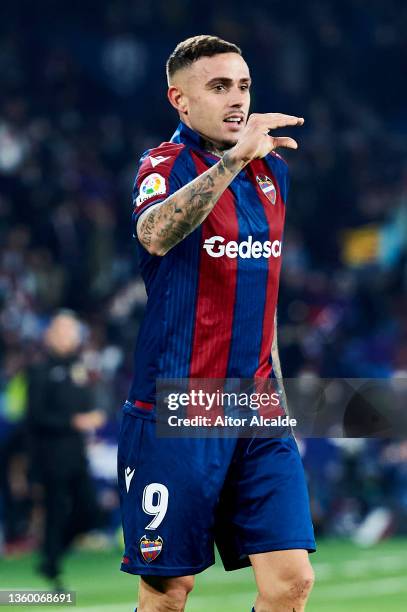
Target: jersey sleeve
x,y
161,172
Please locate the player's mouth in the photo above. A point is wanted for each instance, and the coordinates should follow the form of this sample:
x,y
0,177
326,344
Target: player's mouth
x,y
234,121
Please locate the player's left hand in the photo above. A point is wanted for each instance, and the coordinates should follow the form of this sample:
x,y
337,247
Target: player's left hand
x,y
256,141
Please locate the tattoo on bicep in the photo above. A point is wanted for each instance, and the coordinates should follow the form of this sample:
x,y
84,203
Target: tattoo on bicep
x,y
147,228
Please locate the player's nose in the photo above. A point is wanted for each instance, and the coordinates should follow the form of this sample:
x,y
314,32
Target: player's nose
x,y
236,100
235,103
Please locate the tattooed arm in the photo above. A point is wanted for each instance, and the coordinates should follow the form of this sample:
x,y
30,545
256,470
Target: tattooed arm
x,y
164,225
277,368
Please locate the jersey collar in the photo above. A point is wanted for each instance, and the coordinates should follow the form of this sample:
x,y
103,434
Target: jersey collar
x,y
185,135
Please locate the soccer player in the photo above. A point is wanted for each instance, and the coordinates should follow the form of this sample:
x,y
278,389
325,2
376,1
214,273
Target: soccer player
x,y
209,209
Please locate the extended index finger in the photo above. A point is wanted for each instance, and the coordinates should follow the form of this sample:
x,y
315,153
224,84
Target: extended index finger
x,y
277,120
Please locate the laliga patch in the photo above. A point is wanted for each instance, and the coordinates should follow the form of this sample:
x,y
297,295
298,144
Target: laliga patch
x,y
152,185
267,186
150,549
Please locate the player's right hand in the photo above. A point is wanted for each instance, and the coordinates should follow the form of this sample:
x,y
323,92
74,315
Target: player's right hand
x,y
256,142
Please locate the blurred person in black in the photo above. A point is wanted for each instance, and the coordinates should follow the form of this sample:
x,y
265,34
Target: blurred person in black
x,y
59,413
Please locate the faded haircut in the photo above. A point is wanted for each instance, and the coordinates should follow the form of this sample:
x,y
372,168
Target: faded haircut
x,y
190,50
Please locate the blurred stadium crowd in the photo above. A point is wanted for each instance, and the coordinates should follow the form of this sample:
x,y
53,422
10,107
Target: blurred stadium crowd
x,y
83,95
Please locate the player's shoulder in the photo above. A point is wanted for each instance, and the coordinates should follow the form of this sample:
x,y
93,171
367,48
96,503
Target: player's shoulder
x,y
160,159
277,161
279,169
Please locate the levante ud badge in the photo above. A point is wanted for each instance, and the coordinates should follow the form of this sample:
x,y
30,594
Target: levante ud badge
x,y
150,549
267,186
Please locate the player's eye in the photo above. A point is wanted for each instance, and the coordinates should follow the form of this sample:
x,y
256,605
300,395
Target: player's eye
x,y
244,87
219,87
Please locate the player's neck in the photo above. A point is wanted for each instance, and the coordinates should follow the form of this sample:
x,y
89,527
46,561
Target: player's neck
x,y
213,148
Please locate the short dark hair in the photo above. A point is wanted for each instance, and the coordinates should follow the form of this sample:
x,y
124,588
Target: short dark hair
x,y
191,49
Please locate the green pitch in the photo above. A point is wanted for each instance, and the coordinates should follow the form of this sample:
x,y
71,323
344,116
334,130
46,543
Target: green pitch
x,y
348,578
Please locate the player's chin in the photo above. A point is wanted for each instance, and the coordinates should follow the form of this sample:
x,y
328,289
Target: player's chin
x,y
227,144
231,132
230,139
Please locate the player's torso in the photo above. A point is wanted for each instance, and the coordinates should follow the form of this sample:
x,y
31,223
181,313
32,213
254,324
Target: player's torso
x,y
233,262
212,297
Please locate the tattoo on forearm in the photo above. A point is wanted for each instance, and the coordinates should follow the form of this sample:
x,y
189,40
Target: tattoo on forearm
x,y
186,209
226,163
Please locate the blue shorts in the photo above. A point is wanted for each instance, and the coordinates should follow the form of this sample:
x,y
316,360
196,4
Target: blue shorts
x,y
181,496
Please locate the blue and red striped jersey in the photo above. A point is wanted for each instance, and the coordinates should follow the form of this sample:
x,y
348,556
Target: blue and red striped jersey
x,y
212,297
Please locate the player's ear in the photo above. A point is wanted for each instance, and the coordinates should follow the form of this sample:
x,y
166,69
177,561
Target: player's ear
x,y
177,99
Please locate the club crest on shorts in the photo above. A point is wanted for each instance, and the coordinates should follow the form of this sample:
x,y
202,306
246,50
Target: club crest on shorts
x,y
267,186
150,549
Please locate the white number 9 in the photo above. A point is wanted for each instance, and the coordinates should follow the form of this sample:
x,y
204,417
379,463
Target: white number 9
x,y
158,509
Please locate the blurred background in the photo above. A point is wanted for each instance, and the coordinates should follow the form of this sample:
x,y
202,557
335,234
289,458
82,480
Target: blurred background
x,y
83,94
